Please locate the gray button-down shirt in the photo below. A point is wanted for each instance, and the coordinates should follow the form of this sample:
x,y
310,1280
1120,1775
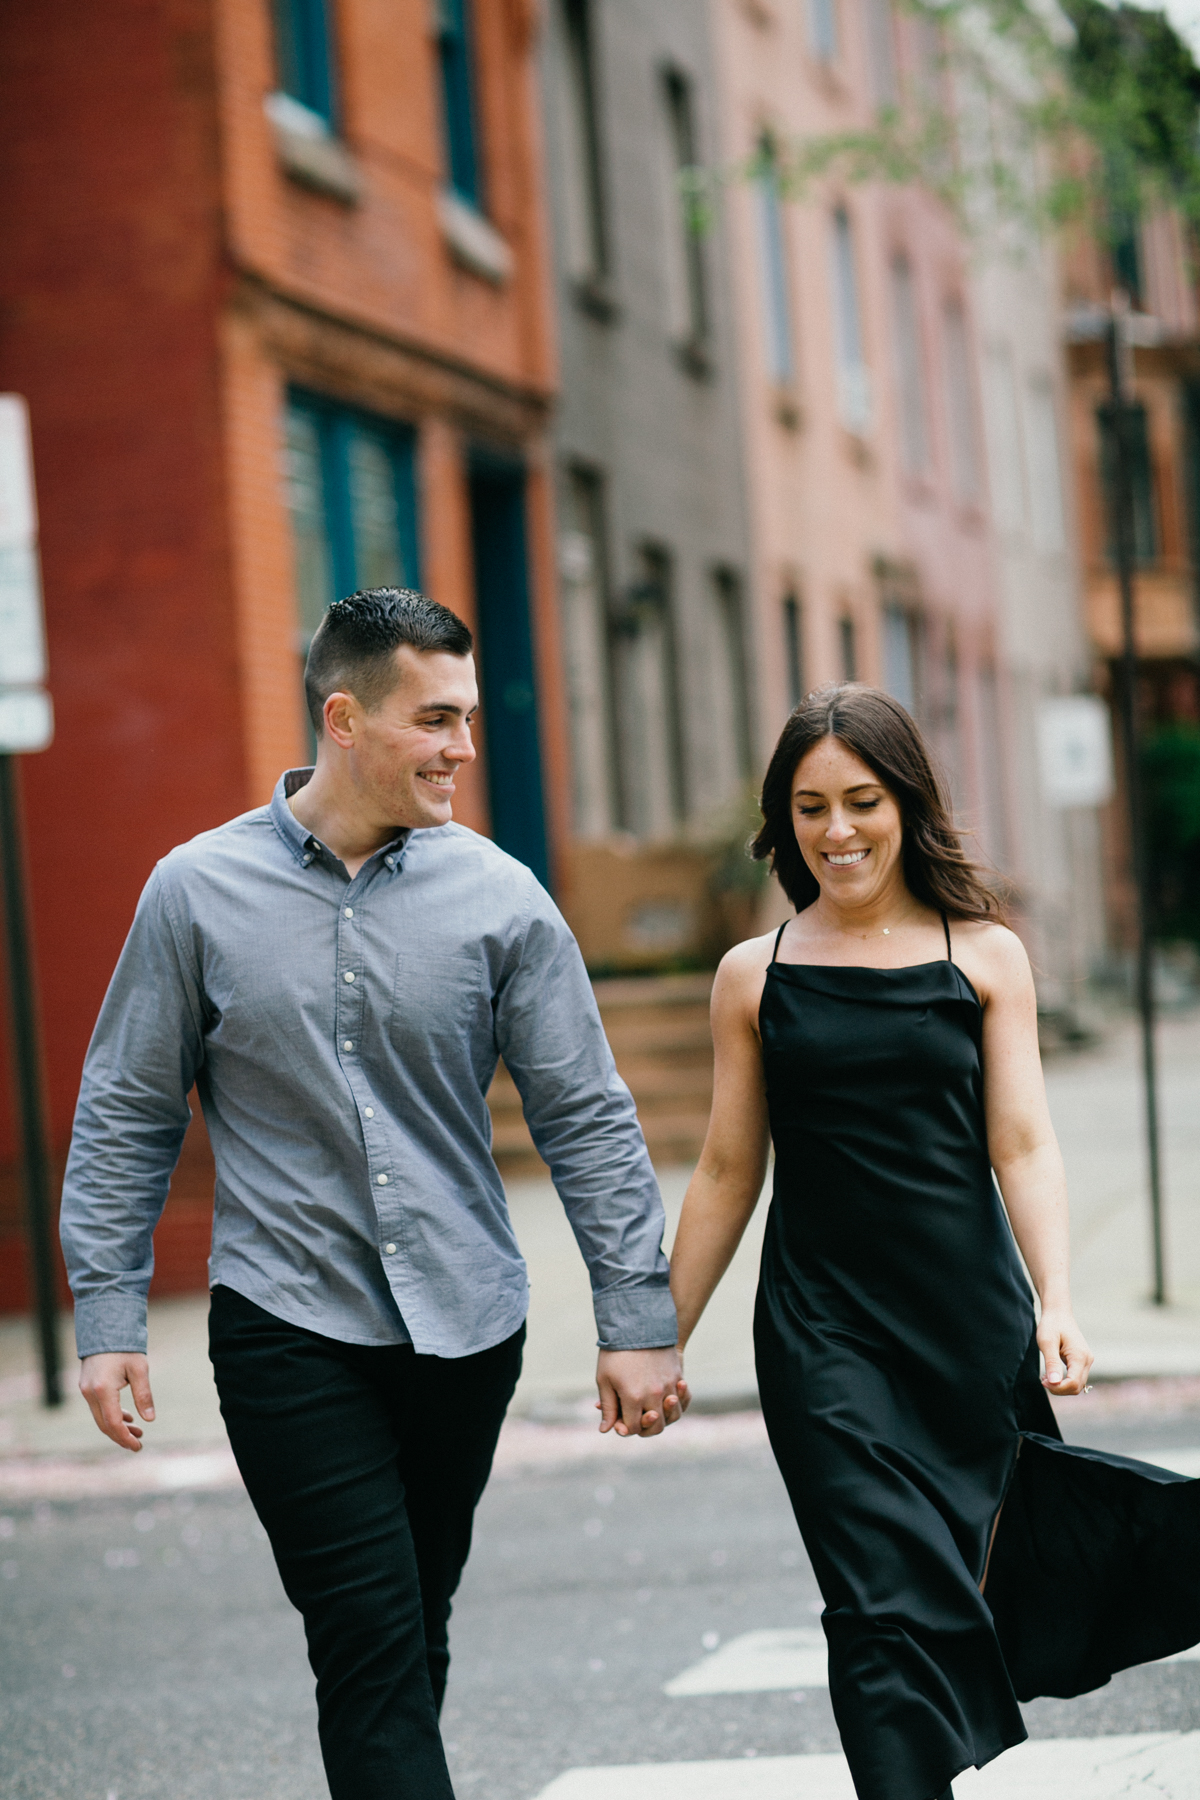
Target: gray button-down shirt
x,y
342,1035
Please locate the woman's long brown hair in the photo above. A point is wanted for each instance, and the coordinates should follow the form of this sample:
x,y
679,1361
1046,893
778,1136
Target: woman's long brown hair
x,y
879,730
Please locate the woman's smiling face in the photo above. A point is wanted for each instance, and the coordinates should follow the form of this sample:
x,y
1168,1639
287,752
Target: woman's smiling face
x,y
847,824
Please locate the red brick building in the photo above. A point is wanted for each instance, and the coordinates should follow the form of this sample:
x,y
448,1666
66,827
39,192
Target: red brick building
x,y
273,283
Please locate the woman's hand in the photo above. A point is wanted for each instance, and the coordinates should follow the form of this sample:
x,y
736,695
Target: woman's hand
x,y
1064,1348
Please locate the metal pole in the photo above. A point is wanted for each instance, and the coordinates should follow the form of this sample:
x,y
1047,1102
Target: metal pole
x,y
27,1060
1123,543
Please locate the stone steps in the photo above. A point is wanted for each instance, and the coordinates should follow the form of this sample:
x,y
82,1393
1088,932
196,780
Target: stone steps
x,y
658,1029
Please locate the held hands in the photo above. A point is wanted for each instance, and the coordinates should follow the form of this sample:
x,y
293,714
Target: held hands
x,y
641,1391
101,1379
1067,1358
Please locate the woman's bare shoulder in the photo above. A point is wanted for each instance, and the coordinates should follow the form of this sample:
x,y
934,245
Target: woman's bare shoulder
x,y
991,954
740,972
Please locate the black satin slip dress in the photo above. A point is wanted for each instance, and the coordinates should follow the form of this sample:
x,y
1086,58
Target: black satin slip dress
x,y
898,1368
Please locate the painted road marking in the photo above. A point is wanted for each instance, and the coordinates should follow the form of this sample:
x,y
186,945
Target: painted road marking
x,y
758,1662
762,1662
1161,1765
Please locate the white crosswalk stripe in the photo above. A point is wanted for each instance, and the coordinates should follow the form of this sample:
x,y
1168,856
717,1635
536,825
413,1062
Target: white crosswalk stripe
x,y
762,1662
1156,1765
758,1662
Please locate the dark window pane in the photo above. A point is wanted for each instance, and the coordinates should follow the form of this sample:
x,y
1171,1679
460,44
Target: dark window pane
x,y
352,498
733,627
310,529
587,250
374,510
793,649
302,48
849,649
773,248
458,99
1141,477
682,126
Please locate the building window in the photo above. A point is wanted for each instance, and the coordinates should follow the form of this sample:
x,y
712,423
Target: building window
x,y
1141,473
352,498
947,730
1045,469
730,699
854,382
652,791
910,372
458,99
960,406
773,252
582,565
496,485
793,649
847,649
881,52
689,289
304,55
1125,237
586,244
988,737
1191,442
822,29
901,656
1006,461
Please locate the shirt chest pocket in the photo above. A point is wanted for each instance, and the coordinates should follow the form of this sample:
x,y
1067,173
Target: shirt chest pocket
x,y
440,1002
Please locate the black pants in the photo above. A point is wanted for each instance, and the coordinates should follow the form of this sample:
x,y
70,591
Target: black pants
x,y
365,1466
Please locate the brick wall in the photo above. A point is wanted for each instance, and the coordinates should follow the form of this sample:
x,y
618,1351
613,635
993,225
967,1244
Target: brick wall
x,y
161,280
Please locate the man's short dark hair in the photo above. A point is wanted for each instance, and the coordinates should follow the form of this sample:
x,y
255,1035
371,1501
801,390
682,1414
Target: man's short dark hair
x,y
354,647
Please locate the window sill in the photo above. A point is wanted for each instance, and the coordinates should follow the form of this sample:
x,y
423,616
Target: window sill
x,y
309,153
472,242
593,296
695,358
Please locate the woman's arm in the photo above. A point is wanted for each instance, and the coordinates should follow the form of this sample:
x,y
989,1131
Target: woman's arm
x,y
728,1180
1025,1153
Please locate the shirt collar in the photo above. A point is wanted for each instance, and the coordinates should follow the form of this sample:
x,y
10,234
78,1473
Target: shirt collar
x,y
302,844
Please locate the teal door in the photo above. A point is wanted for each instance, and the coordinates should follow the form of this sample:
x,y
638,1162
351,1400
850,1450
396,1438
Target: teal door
x,y
508,687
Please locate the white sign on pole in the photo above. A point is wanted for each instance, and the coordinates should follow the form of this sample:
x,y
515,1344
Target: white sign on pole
x,y
1075,750
26,714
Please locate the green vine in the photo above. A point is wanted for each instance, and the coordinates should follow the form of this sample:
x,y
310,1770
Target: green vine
x,y
1089,116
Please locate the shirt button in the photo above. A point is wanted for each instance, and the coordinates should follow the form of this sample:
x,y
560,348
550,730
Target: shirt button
x,y
382,1180
349,975
370,1112
349,1044
390,861
349,912
390,1248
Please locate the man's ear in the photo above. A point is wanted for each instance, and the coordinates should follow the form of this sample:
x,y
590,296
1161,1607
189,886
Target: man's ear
x,y
340,716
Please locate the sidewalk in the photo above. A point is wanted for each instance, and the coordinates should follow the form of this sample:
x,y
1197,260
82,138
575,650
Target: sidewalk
x,y
1095,1099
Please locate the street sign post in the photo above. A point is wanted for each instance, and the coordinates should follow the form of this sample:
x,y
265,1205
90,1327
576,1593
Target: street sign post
x,y
1120,370
26,725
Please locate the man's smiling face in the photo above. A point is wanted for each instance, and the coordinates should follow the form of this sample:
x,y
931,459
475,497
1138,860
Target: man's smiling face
x,y
405,755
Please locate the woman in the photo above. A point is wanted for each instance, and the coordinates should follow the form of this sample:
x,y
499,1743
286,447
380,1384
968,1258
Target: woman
x,y
887,1037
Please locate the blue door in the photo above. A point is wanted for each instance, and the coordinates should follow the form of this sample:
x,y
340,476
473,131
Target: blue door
x,y
508,689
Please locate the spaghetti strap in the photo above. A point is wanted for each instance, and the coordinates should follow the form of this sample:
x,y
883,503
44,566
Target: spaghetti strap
x,y
778,935
946,929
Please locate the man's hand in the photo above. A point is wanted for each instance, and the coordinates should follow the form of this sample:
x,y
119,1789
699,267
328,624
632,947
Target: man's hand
x,y
641,1391
101,1379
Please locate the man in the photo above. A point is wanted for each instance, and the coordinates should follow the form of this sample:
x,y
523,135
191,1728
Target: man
x,y
337,974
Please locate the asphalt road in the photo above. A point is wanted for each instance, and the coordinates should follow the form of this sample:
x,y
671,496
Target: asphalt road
x,y
147,1651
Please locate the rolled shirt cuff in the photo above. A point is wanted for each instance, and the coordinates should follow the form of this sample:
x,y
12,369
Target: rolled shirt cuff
x,y
110,1321
636,1317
